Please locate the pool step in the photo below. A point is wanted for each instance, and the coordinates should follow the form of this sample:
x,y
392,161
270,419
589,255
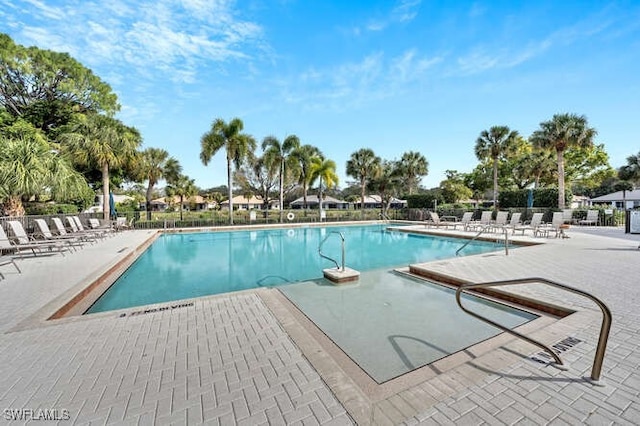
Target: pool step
x,y
338,276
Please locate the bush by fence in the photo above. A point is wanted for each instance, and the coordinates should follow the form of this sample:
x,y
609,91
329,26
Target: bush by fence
x,y
542,197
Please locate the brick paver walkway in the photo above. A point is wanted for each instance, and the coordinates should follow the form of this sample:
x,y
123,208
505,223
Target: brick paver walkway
x,y
228,359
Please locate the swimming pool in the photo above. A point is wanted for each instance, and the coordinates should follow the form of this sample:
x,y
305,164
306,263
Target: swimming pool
x,y
390,324
187,265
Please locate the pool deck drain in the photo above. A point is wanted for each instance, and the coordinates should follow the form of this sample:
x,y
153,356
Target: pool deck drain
x,y
229,360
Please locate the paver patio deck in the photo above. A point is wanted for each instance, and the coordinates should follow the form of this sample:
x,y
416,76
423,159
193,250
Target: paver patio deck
x,y
244,358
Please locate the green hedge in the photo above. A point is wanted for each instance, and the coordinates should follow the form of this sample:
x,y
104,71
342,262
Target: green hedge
x,y
49,209
542,197
423,201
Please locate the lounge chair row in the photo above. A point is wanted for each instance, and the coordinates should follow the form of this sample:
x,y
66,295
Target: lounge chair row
x,y
502,222
44,241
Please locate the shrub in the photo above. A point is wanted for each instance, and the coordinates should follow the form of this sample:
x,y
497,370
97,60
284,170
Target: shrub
x,y
49,209
542,197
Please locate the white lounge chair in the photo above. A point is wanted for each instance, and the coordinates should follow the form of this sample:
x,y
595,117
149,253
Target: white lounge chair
x,y
6,246
436,221
558,224
591,219
62,231
464,222
535,226
45,234
500,222
514,221
22,241
76,226
485,220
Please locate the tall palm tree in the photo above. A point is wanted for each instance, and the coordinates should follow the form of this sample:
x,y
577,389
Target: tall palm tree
x,y
413,166
325,171
280,155
562,132
100,141
237,145
362,166
29,167
182,187
304,155
494,144
155,165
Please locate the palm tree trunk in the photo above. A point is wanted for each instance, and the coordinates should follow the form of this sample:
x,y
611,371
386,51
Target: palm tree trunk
x,y
495,182
230,190
561,179
281,191
362,184
304,197
148,198
181,202
320,198
106,213
13,206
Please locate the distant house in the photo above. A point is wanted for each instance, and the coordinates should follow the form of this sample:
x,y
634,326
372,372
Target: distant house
x,y
312,203
615,199
375,201
97,203
240,202
194,203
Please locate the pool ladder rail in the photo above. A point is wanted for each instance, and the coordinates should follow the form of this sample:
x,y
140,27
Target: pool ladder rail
x,y
340,268
504,229
604,328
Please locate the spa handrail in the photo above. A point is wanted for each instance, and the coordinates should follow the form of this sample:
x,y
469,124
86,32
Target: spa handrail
x,y
484,228
329,258
604,328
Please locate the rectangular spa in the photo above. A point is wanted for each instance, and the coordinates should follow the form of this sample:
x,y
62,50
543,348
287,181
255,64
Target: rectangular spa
x,y
391,324
188,265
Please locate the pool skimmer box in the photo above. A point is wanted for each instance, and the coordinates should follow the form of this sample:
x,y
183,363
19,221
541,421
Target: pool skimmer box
x,y
341,276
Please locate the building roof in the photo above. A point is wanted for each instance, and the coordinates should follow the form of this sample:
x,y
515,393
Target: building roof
x,y
617,196
241,199
313,199
374,199
198,199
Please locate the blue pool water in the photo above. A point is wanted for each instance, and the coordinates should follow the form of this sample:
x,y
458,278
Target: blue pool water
x,y
180,266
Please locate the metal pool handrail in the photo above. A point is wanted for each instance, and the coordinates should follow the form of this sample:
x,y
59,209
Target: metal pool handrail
x,y
329,258
604,328
506,239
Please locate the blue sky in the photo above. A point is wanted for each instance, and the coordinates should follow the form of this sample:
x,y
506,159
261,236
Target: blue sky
x,y
393,76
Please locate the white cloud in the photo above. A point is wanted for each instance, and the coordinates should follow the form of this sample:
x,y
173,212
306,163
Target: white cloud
x,y
166,39
406,10
353,84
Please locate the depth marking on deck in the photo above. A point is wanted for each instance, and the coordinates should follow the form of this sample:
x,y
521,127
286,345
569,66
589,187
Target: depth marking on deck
x,y
154,310
562,346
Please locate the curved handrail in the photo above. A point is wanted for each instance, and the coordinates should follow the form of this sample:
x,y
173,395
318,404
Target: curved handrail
x,y
604,329
484,228
327,257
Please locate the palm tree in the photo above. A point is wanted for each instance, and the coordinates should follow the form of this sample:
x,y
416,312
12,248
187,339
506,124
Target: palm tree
x,y
237,145
99,141
280,155
363,165
325,171
305,155
182,187
155,165
29,167
631,171
494,144
563,131
412,167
